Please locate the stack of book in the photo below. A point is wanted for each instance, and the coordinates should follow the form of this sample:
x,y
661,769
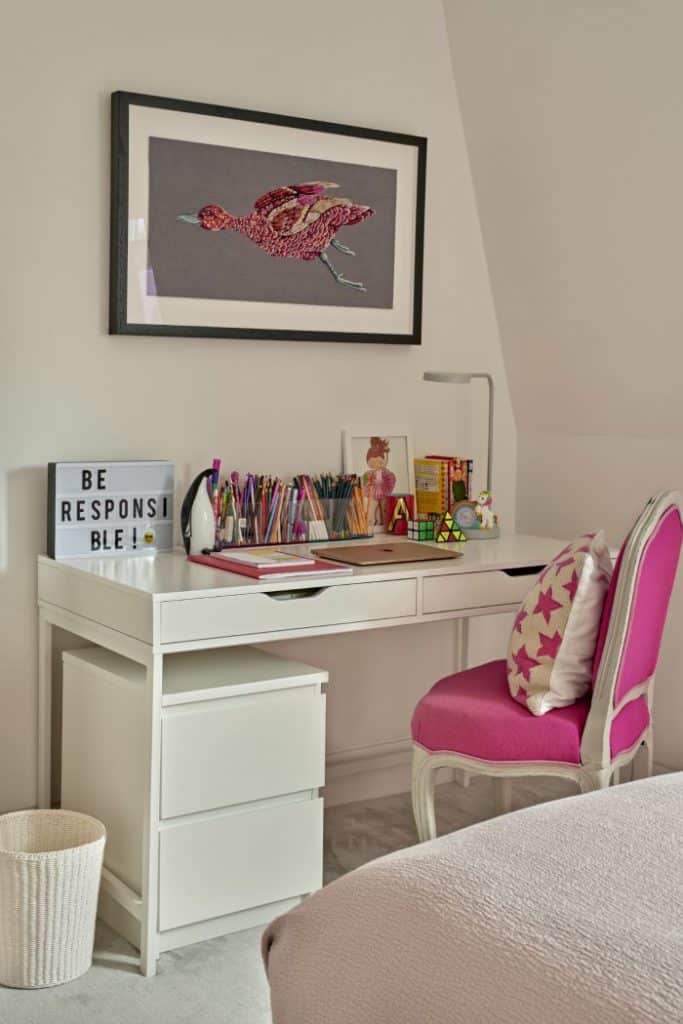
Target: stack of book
x,y
264,564
440,482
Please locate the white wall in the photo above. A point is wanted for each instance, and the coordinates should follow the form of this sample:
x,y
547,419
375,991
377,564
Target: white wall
x,y
572,119
67,390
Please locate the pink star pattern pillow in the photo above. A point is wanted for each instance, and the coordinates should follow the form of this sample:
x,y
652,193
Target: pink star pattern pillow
x,y
551,649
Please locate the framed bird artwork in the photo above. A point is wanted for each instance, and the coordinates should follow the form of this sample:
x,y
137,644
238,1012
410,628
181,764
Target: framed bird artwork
x,y
229,223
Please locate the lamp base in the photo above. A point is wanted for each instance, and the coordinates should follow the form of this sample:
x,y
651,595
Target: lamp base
x,y
479,534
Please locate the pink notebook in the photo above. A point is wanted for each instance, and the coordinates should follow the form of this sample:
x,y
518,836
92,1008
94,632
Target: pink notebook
x,y
278,572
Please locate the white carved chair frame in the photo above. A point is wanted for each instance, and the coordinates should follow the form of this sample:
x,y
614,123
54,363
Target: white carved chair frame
x,y
597,768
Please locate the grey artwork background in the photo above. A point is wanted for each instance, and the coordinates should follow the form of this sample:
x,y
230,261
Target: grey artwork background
x,y
189,262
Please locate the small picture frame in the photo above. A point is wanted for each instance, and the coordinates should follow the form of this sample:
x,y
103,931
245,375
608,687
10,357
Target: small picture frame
x,y
383,458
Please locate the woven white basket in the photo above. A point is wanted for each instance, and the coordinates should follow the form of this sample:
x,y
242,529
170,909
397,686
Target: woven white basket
x,y
50,868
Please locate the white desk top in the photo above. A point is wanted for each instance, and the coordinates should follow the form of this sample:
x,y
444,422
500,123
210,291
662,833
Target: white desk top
x,y
169,574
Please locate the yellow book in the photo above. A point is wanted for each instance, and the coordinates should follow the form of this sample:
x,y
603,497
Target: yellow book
x,y
431,486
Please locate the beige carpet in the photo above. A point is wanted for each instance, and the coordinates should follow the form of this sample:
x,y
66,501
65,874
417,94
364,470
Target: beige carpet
x,y
222,981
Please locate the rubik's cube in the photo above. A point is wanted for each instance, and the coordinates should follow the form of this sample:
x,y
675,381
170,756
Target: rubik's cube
x,y
421,529
447,530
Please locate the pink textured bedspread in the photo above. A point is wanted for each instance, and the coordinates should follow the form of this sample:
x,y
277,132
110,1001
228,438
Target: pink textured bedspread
x,y
566,913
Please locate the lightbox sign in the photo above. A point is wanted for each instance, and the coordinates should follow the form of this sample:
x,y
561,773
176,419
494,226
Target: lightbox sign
x,y
109,508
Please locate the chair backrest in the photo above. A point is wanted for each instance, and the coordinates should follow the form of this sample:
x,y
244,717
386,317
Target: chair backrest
x,y
633,621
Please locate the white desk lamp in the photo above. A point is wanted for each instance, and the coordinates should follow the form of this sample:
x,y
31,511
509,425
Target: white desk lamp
x,y
465,378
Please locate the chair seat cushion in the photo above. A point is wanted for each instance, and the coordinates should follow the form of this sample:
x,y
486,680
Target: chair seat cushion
x,y
472,713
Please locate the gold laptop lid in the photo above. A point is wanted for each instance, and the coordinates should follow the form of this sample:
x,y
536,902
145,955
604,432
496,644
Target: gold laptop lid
x,y
390,553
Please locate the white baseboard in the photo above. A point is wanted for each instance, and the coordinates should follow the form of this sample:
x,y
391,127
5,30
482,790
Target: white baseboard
x,y
381,769
365,773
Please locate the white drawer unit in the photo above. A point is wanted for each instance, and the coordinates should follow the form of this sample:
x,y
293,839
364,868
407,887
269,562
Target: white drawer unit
x,y
287,610
103,752
470,591
228,862
241,763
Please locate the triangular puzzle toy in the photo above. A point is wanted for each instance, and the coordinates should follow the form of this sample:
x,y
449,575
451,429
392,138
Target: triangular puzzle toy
x,y
447,531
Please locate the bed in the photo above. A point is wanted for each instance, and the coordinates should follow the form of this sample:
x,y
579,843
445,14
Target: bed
x,y
570,912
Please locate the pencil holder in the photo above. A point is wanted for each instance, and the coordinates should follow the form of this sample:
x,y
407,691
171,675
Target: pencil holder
x,y
338,522
268,510
327,519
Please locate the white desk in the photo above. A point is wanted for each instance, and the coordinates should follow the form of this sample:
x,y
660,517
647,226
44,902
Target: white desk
x,y
146,609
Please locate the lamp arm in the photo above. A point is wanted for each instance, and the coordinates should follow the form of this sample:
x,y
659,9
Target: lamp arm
x,y
489,461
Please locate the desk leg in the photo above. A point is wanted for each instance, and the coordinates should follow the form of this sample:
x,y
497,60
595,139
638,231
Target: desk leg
x,y
149,935
44,766
462,633
461,653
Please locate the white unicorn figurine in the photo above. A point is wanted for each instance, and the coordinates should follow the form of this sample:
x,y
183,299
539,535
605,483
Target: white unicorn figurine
x,y
484,510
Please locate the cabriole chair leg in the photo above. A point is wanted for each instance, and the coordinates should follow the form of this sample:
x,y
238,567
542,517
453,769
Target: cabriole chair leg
x,y
503,791
594,778
423,796
642,760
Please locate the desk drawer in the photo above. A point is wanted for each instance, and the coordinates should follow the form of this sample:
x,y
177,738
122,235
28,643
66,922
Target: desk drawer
x,y
233,861
231,751
254,614
474,590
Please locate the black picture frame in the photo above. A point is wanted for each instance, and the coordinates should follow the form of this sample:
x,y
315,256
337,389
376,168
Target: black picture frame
x,y
121,102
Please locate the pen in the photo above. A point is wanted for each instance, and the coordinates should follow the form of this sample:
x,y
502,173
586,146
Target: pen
x,y
215,475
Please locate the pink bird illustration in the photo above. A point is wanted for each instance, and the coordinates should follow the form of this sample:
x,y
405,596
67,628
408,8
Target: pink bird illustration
x,y
292,221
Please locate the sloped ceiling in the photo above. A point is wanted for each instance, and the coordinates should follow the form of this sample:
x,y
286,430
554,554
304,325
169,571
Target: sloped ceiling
x,y
572,113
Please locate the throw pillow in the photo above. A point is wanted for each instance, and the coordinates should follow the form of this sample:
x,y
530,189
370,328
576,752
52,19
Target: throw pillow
x,y
551,649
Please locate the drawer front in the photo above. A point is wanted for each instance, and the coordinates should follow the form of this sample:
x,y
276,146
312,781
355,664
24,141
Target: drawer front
x,y
474,590
239,860
223,752
254,614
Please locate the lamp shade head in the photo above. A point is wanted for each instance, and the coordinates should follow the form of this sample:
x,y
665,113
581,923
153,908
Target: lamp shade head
x,y
438,377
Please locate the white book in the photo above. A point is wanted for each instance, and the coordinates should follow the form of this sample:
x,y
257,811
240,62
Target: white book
x,y
264,558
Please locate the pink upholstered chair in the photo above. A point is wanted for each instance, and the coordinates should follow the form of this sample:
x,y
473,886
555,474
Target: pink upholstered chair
x,y
469,721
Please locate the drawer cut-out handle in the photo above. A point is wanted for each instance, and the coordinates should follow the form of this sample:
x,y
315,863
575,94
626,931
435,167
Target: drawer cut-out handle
x,y
294,595
524,570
